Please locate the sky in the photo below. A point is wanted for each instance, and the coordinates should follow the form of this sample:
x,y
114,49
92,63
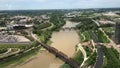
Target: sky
x,y
57,4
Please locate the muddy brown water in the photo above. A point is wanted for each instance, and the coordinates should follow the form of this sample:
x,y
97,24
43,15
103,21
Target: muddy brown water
x,y
64,41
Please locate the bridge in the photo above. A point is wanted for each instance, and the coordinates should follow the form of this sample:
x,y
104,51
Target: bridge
x,y
58,54
69,28
61,55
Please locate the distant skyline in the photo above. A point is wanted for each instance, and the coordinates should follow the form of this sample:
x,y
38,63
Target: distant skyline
x,y
57,4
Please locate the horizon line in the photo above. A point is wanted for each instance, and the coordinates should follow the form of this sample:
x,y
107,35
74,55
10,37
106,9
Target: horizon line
x,y
61,9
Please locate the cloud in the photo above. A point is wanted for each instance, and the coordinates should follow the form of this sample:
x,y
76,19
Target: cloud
x,y
9,6
57,4
21,0
6,6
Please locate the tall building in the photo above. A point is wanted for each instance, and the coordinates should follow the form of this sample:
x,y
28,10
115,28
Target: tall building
x,y
117,32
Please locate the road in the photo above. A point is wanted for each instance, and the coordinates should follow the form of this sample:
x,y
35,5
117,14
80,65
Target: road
x,y
99,59
111,41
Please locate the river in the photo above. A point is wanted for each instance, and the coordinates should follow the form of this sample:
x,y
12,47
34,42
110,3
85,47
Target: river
x,y
64,41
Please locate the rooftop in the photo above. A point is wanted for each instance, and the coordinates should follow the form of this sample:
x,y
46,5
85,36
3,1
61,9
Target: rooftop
x,y
13,39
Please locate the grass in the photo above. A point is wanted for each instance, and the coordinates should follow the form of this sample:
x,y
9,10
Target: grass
x,y
92,59
3,51
78,57
65,66
88,50
49,42
13,45
29,37
104,62
19,59
86,35
108,29
81,36
41,37
42,26
112,57
101,37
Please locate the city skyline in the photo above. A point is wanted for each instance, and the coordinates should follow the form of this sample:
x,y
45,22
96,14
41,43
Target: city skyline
x,y
57,4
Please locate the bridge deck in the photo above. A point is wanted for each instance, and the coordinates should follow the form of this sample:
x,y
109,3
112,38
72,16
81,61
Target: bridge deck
x,y
61,55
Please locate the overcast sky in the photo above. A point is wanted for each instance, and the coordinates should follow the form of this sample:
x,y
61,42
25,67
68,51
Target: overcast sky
x,y
56,4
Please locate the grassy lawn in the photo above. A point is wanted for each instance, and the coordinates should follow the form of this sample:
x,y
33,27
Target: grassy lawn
x,y
42,26
92,59
104,62
41,37
88,50
112,58
81,37
13,45
18,59
84,36
108,29
65,66
101,37
49,42
78,57
87,35
3,50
